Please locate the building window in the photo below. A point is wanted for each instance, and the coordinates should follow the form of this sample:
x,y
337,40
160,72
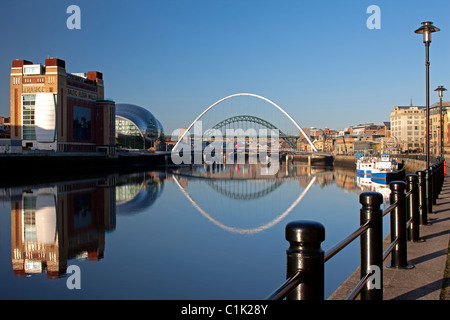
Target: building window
x,y
81,123
28,126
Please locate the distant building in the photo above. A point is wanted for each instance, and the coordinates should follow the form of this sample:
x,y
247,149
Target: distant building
x,y
52,109
4,128
4,120
302,143
408,128
345,144
435,128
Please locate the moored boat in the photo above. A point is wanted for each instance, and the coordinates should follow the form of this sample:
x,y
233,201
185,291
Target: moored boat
x,y
385,170
364,166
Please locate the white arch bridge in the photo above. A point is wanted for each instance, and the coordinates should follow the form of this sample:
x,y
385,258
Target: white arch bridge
x,y
289,139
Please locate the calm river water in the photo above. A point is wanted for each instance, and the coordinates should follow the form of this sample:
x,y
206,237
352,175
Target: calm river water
x,y
197,233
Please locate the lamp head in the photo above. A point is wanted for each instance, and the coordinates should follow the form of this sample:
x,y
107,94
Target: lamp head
x,y
440,90
426,29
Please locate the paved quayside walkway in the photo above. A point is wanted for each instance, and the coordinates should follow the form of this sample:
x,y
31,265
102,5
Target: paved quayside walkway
x,y
430,277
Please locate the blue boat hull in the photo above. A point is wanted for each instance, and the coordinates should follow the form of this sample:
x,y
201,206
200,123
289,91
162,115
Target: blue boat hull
x,y
385,177
364,172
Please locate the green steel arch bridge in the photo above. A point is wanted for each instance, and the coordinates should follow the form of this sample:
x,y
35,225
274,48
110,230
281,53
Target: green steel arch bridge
x,y
290,139
251,119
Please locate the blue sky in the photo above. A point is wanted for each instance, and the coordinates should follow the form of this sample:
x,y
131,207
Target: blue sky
x,y
316,59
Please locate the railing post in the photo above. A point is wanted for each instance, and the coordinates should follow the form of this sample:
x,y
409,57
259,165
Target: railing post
x,y
305,253
413,207
398,225
434,180
371,243
429,192
423,208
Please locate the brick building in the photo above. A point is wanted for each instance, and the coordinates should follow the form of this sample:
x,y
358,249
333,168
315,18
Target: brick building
x,y
52,109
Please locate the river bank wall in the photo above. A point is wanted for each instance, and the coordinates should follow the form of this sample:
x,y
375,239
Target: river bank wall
x,y
52,166
349,162
41,166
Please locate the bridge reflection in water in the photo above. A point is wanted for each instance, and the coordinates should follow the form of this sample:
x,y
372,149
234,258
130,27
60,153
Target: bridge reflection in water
x,y
53,224
232,185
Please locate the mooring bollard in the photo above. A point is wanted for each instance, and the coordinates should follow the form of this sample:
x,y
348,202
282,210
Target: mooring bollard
x,y
423,207
305,254
413,207
429,192
398,225
371,242
434,180
441,175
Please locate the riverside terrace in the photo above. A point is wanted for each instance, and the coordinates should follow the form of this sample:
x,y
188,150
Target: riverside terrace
x,y
419,247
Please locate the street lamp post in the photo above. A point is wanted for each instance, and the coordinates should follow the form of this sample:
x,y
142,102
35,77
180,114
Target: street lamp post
x,y
426,29
441,90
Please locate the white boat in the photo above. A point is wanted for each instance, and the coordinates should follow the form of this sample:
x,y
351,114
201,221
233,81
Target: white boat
x,y
385,170
364,166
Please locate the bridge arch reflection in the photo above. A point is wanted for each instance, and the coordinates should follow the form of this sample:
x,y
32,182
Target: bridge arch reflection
x,y
244,188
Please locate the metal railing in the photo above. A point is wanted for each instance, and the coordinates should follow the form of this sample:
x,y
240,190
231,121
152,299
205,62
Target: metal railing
x,y
411,202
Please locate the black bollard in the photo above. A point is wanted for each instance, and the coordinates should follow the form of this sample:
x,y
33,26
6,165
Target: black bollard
x,y
398,225
305,254
429,192
441,175
372,244
413,207
434,180
423,208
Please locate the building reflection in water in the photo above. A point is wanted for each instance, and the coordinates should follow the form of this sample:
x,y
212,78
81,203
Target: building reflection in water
x,y
55,223
138,192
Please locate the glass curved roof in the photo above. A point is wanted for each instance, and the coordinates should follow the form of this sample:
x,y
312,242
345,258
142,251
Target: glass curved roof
x,y
143,119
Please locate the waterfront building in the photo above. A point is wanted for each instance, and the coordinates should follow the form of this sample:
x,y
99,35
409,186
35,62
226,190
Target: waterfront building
x,y
345,144
349,144
137,128
435,128
52,109
4,120
302,143
4,128
408,127
368,128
